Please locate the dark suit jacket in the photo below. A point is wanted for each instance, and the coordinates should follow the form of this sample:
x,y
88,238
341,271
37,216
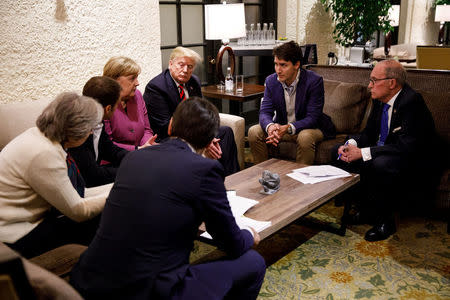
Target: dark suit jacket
x,y
93,173
162,98
309,102
151,217
410,131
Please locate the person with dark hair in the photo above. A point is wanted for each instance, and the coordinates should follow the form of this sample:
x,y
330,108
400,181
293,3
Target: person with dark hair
x,y
151,219
176,84
399,130
291,109
99,147
43,201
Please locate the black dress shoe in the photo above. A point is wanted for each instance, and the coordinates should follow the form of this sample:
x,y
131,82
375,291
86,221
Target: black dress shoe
x,y
380,232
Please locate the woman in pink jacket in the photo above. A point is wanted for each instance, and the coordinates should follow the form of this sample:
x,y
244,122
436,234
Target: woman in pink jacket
x,y
129,127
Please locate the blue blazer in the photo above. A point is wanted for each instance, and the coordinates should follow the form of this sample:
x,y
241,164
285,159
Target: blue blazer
x,y
162,98
309,102
160,197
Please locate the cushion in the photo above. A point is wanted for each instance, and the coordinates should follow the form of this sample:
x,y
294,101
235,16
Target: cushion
x,y
346,104
16,117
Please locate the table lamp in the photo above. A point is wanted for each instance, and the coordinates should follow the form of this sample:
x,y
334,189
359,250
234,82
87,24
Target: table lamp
x,y
224,22
442,15
394,19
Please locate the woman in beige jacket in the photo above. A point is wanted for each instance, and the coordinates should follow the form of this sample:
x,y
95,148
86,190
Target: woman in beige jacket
x,y
40,206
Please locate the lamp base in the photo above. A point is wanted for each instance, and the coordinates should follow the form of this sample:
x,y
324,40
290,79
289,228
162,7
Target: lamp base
x,y
222,50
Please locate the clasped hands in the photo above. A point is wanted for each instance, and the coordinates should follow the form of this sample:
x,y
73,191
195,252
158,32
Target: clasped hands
x,y
275,133
349,153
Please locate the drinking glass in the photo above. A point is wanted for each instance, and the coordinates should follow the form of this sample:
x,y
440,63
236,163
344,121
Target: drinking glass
x,y
239,84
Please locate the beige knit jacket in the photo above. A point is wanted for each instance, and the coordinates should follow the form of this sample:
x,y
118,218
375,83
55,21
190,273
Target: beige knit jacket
x,y
33,178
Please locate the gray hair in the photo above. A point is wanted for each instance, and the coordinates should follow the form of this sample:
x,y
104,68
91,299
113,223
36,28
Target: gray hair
x,y
69,116
393,69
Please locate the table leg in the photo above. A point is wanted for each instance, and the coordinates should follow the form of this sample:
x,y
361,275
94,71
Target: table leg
x,y
235,108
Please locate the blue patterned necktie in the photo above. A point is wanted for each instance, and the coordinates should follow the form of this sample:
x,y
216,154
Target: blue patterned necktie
x,y
384,129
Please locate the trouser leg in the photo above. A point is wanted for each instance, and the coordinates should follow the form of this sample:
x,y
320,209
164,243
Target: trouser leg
x,y
54,232
258,146
229,159
240,278
307,140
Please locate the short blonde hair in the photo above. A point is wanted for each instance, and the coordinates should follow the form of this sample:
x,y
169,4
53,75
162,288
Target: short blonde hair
x,y
69,116
120,66
182,51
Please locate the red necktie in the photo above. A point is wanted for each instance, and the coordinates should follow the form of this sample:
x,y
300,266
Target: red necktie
x,y
182,94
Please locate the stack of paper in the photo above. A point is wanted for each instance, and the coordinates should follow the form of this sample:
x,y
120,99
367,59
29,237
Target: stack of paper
x,y
315,174
239,205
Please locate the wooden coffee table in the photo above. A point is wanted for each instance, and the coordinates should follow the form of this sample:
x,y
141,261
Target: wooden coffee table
x,y
293,200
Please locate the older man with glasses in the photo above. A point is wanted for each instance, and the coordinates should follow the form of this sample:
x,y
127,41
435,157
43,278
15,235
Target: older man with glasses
x,y
390,148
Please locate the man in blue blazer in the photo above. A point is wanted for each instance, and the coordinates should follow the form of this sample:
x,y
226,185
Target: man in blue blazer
x,y
291,109
388,153
177,83
160,197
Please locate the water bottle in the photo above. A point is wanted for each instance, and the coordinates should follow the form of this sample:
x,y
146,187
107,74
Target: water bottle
x,y
258,34
271,34
265,35
251,34
228,81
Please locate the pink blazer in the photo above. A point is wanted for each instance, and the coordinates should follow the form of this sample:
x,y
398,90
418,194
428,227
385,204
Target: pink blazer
x,y
130,128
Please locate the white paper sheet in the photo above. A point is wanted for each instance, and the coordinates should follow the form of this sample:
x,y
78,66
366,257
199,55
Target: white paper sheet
x,y
239,205
316,174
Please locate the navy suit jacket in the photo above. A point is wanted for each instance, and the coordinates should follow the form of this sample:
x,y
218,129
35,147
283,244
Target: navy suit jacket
x,y
151,218
410,131
93,173
161,97
309,102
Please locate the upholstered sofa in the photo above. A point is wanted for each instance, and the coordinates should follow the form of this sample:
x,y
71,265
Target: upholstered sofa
x,y
16,117
347,102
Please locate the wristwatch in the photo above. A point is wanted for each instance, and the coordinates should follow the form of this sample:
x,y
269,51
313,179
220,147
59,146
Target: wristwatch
x,y
289,129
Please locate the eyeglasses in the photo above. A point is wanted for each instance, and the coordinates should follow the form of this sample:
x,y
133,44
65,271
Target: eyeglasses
x,y
374,80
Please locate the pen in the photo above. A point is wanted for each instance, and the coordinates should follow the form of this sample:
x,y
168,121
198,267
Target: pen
x,y
346,144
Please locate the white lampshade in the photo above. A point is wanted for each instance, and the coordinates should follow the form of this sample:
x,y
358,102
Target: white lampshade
x,y
442,13
394,15
224,21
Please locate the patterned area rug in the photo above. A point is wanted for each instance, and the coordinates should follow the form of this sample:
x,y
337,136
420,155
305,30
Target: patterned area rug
x,y
412,264
307,263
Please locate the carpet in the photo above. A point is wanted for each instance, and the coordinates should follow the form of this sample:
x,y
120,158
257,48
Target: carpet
x,y
305,262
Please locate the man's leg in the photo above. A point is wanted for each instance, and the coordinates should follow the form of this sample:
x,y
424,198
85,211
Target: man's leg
x,y
240,278
229,159
258,146
307,140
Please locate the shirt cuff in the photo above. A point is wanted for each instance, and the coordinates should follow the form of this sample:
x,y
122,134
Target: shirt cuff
x,y
366,155
267,127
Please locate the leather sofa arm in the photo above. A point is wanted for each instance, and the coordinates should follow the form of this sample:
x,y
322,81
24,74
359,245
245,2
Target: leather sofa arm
x,y
237,124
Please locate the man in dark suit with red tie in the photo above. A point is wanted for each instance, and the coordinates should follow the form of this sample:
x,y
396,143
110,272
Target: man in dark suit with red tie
x,y
151,218
177,83
390,149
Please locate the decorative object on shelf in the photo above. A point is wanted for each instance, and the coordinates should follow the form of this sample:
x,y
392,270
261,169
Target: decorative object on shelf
x,y
270,182
443,16
224,22
332,59
356,20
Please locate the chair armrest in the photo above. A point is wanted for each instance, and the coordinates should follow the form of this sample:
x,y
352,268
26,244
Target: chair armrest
x,y
237,124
